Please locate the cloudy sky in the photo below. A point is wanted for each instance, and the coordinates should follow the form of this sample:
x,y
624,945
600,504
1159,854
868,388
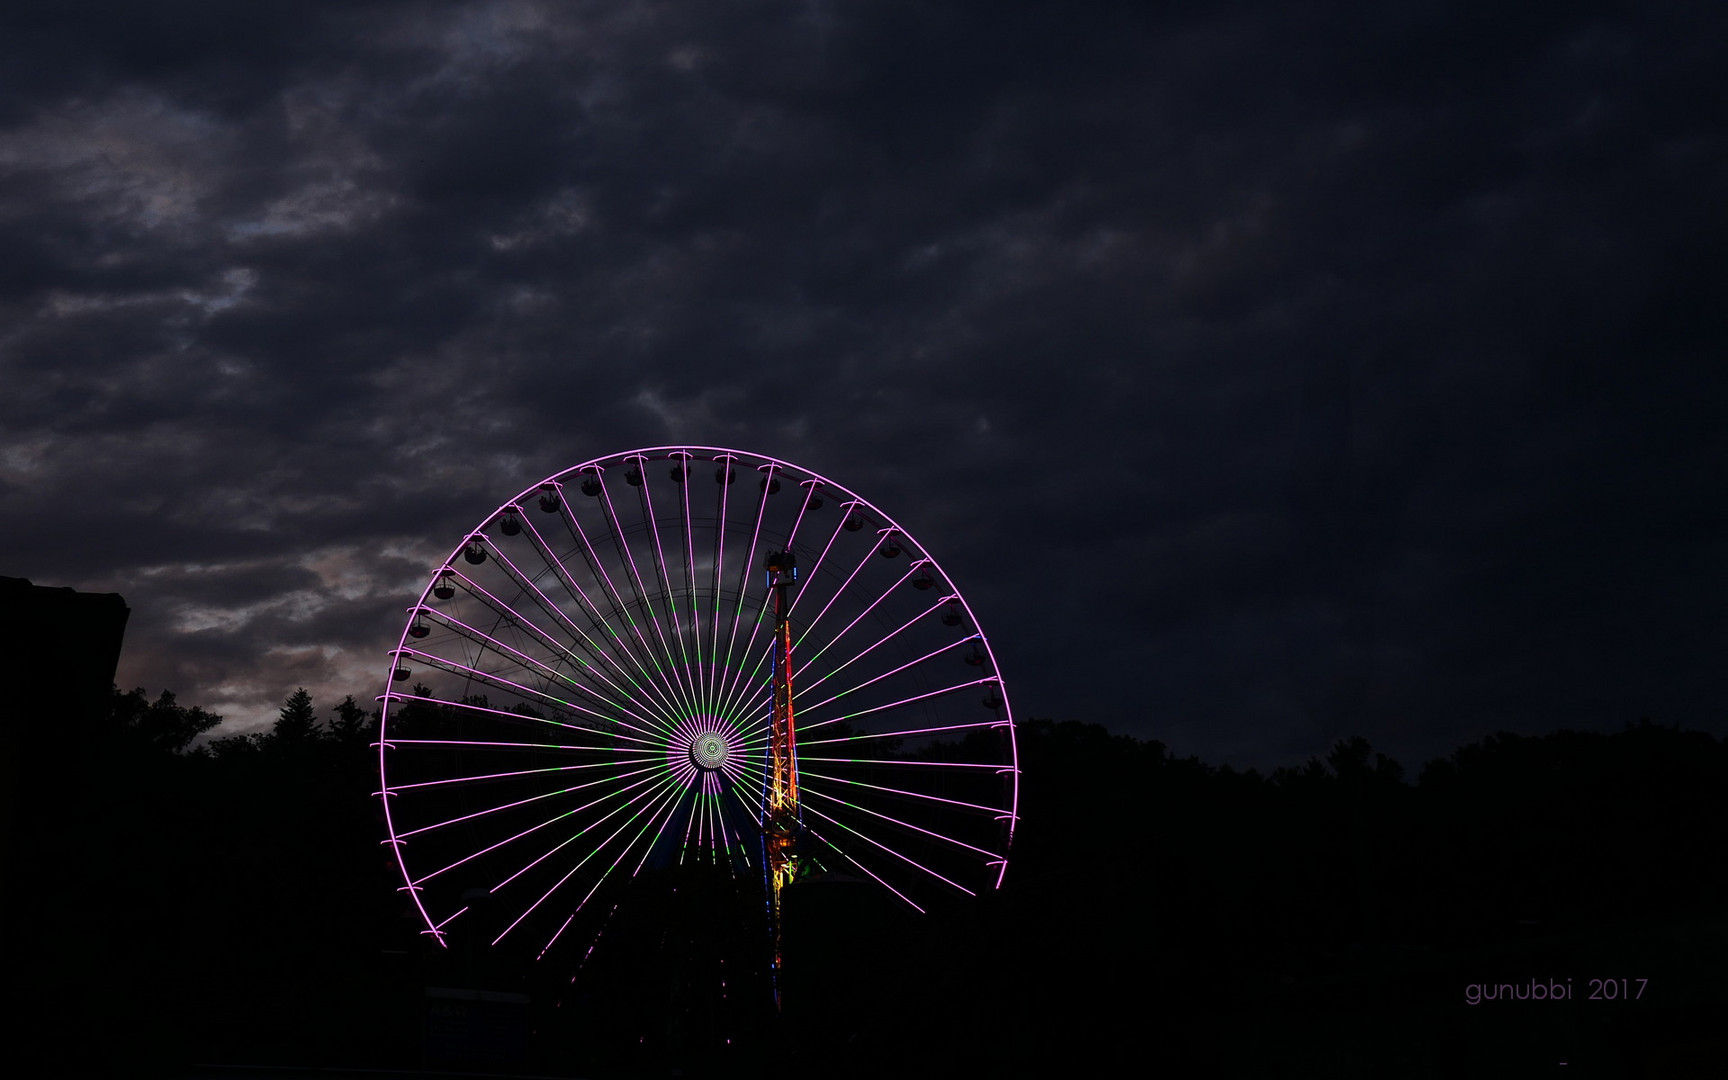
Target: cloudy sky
x,y
1263,373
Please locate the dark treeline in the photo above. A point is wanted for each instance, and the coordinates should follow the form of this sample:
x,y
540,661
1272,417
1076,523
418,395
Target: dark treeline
x,y
183,898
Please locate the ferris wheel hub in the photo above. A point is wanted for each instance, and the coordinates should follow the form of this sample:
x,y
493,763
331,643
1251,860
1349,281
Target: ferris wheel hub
x,y
709,751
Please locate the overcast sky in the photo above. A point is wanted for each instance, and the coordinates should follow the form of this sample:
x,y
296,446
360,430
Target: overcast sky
x,y
1262,372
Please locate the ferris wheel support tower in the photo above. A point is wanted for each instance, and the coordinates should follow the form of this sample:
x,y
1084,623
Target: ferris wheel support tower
x,y
782,818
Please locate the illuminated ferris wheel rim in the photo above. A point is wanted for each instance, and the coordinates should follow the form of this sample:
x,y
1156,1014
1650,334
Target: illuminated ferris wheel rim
x,y
719,454
714,747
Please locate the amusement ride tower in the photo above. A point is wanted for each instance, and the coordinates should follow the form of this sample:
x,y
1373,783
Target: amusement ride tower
x,y
781,819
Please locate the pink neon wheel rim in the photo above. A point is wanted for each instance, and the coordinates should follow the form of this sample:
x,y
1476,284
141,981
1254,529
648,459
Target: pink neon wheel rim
x,y
580,694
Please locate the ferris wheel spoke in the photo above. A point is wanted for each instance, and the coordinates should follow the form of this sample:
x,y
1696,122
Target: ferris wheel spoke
x,y
448,919
755,731
907,701
748,770
670,805
519,802
902,824
751,770
914,763
503,775
508,653
745,687
626,655
493,744
996,812
932,654
684,692
660,565
502,683
885,639
538,667
752,698
512,717
879,844
615,596
510,615
753,694
846,509
686,476
653,785
690,823
856,620
529,910
838,593
840,851
734,841
724,479
744,570
494,847
811,490
894,734
620,658
752,810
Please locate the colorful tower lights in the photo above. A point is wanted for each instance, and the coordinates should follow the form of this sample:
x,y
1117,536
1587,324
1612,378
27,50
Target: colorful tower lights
x,y
781,817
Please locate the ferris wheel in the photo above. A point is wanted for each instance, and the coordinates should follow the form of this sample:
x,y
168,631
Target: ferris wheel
x,y
688,657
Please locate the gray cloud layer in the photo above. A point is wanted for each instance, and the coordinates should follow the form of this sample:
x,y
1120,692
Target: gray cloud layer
x,y
1263,374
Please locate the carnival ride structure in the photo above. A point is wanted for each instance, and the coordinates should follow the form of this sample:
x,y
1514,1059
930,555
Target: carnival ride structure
x,y
687,656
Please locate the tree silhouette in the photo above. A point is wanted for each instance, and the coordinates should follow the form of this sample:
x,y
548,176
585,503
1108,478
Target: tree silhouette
x,y
350,724
163,724
1332,890
297,722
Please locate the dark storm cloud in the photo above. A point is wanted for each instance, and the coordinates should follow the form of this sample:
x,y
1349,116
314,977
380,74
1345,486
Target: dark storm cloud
x,y
1262,374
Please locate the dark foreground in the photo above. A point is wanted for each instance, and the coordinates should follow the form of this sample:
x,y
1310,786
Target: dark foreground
x,y
228,916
